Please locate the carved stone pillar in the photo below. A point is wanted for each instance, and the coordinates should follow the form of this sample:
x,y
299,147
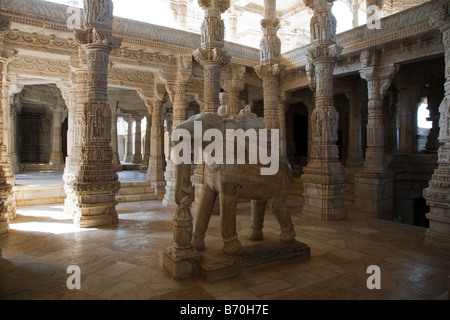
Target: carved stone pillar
x,y
56,155
114,140
409,97
232,19
374,184
147,141
211,54
96,183
137,157
69,94
212,57
129,154
8,211
355,159
323,178
180,11
270,68
155,173
432,144
282,109
437,194
177,94
233,83
7,197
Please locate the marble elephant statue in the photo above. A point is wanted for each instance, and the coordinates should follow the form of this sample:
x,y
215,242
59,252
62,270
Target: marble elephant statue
x,y
229,182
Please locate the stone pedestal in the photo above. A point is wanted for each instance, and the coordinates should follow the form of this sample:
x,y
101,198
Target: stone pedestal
x,y
374,193
182,264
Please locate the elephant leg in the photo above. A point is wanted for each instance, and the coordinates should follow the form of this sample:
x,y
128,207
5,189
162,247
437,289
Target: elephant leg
x,y
231,244
281,213
258,211
203,215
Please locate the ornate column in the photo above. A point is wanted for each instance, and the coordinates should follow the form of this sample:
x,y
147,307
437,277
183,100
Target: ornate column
x,y
232,19
282,109
409,97
270,68
212,57
7,197
96,182
180,11
69,94
323,177
233,83
155,172
114,141
434,99
211,54
137,157
176,87
374,184
56,155
437,194
74,95
147,141
355,159
129,154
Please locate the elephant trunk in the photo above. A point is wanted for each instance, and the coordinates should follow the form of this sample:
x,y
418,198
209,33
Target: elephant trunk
x,y
184,196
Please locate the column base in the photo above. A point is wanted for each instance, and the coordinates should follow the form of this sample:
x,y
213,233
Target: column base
x,y
324,192
438,235
57,161
374,193
182,264
438,198
137,158
169,196
160,188
4,223
96,210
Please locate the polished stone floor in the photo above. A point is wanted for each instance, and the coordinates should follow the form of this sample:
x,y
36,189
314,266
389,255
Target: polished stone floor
x,y
125,262
55,178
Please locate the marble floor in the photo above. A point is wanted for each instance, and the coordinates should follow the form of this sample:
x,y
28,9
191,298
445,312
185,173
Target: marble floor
x,y
125,262
56,178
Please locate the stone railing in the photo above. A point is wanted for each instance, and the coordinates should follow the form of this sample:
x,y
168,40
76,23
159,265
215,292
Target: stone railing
x,y
408,23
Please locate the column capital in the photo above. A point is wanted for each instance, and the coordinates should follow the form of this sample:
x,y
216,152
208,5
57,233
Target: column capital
x,y
221,5
213,56
379,77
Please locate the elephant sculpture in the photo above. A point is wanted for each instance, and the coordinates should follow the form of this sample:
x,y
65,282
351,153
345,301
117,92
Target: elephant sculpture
x,y
229,182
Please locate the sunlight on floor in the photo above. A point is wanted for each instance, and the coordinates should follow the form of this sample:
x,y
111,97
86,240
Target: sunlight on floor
x,y
45,217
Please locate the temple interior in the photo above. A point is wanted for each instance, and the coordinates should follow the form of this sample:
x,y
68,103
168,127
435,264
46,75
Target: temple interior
x,y
359,91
